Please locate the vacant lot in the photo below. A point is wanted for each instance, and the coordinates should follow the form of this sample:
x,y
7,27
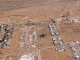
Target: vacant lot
x,y
18,4
51,54
69,31
47,40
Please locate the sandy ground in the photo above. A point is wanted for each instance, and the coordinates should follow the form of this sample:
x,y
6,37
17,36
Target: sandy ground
x,y
67,35
14,43
17,12
16,56
51,9
44,29
50,54
69,32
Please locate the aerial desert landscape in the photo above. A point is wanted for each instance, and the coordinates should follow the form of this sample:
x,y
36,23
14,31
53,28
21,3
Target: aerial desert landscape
x,y
39,29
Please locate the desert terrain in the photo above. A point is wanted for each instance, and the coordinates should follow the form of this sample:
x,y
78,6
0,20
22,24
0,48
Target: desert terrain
x,y
39,13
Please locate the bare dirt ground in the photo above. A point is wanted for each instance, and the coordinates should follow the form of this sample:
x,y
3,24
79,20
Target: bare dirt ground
x,y
6,5
14,43
49,9
18,12
50,54
69,32
16,56
44,29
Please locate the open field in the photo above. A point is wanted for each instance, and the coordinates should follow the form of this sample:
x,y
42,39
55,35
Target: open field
x,y
50,54
49,9
16,56
10,5
44,29
40,12
69,32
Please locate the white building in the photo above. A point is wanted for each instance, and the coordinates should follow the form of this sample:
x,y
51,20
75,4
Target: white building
x,y
26,57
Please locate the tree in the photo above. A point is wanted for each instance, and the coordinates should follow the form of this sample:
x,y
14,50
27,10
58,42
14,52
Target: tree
x,y
42,35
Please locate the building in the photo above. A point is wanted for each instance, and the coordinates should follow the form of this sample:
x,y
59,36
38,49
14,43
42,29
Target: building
x,y
26,57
